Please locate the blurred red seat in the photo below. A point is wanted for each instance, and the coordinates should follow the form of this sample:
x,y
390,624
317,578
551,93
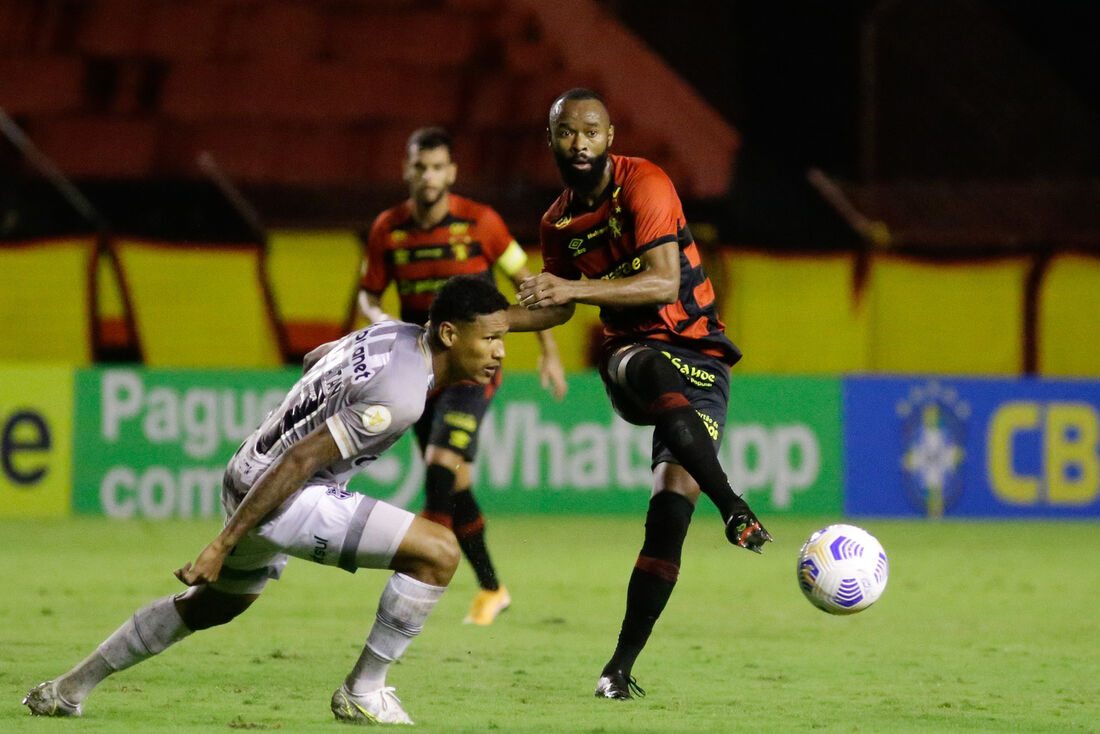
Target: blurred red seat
x,y
40,84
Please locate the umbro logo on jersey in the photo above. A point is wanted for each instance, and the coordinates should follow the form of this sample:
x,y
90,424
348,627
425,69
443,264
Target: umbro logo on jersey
x,y
590,241
376,418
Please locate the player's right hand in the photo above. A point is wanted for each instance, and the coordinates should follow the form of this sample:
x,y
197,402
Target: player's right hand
x,y
206,569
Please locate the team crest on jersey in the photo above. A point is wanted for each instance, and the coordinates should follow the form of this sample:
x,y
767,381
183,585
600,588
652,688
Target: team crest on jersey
x,y
616,226
377,418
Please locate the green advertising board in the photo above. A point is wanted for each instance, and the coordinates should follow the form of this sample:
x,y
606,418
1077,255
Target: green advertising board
x,y
153,443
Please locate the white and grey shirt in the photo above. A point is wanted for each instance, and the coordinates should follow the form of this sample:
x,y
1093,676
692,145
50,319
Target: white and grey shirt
x,y
369,389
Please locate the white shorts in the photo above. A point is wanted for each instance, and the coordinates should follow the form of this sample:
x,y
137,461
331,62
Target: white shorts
x,y
324,524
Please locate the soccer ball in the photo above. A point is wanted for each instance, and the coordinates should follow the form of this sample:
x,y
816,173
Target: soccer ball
x,y
842,569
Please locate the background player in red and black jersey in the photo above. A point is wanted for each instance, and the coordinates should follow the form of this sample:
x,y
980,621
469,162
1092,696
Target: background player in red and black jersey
x,y
418,245
666,357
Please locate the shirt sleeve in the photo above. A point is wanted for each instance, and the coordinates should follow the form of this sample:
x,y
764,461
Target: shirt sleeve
x,y
377,275
652,201
493,233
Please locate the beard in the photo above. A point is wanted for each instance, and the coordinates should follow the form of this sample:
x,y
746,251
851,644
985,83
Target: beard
x,y
580,179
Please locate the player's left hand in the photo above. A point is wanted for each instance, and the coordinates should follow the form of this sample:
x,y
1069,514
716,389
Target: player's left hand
x,y
544,290
206,569
552,375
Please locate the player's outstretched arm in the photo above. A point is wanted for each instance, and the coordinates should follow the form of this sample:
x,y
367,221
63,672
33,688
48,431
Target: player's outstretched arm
x,y
285,476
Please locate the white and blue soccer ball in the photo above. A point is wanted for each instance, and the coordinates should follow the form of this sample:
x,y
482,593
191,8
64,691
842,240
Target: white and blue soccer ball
x,y
842,569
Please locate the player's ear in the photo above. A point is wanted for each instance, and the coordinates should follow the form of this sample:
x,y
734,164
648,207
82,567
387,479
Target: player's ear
x,y
448,334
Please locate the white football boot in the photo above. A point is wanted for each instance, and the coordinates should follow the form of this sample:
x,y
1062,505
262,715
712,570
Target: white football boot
x,y
377,707
45,700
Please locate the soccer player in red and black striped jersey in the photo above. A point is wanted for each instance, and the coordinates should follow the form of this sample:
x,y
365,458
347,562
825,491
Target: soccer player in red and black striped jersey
x,y
418,245
666,358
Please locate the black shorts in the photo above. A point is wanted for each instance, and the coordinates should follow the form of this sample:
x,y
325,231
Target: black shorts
x,y
705,383
452,417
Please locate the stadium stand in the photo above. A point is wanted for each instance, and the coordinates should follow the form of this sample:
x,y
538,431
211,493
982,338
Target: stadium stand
x,y
46,300
198,306
955,318
314,279
795,314
1069,301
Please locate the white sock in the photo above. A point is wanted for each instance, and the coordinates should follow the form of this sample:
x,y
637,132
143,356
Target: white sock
x,y
151,630
402,609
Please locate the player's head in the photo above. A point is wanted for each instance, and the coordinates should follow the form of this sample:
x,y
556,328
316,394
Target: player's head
x,y
429,169
467,322
580,135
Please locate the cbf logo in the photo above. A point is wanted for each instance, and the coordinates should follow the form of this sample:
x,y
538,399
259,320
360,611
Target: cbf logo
x,y
933,432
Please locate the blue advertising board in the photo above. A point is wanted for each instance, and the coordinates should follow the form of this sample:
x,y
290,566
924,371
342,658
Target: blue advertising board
x,y
971,447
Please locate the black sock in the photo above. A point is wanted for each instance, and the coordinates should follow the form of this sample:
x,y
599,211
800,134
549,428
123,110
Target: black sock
x,y
439,484
654,576
469,527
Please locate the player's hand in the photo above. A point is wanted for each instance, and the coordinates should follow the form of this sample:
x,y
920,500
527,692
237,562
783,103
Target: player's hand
x,y
543,290
552,375
745,531
206,569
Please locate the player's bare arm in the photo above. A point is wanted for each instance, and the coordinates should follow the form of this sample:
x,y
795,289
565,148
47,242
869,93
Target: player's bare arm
x,y
551,370
522,318
658,282
371,306
287,475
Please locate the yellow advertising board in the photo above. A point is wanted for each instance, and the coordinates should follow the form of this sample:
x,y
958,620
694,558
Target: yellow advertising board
x,y
36,419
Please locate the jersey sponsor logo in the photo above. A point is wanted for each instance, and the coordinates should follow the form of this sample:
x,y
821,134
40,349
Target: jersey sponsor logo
x,y
320,548
465,421
415,287
695,375
624,269
590,241
376,418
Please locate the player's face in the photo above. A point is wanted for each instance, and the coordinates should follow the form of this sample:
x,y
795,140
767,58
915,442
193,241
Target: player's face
x,y
580,136
430,174
478,347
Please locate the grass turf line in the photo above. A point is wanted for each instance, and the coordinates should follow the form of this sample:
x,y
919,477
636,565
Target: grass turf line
x,y
985,627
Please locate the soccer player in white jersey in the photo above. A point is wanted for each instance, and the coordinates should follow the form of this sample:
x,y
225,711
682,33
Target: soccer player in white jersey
x,y
285,494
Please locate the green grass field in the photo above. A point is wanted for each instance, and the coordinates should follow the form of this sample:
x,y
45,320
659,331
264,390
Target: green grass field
x,y
985,627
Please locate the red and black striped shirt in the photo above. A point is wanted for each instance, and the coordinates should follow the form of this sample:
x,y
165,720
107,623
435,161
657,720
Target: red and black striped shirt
x,y
641,211
469,240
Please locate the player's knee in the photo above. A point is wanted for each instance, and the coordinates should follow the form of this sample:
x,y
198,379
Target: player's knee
x,y
202,607
447,554
437,557
644,373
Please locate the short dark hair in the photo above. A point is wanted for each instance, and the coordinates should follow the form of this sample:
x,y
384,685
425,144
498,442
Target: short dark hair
x,y
429,138
578,93
463,298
